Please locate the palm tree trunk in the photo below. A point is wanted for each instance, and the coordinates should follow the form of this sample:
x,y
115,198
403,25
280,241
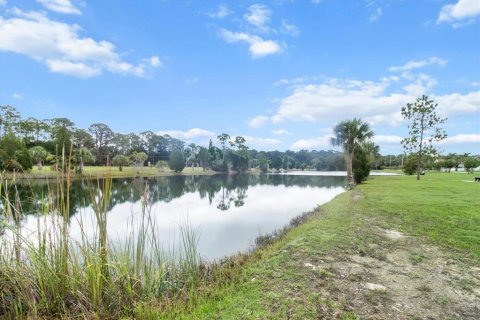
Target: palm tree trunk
x,y
350,168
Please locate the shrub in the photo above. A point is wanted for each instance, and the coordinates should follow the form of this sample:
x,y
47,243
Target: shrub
x,y
120,161
410,165
176,162
219,166
361,167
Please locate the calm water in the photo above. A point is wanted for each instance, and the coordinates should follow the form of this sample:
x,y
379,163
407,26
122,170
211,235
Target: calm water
x,y
228,212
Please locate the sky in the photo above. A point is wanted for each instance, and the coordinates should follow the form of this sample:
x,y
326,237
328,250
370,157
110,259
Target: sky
x,y
281,73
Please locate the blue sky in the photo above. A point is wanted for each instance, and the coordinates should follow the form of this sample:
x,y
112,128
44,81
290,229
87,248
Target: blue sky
x,y
281,72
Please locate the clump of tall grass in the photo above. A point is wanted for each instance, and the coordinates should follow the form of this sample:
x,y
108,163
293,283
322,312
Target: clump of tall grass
x,y
49,274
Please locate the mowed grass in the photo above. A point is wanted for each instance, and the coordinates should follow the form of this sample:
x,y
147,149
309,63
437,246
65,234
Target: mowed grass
x,y
275,284
114,172
443,207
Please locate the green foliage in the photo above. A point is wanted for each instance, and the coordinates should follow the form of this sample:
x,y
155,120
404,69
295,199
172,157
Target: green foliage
x,y
424,119
361,165
263,165
38,154
83,155
176,162
120,161
471,163
351,134
410,165
139,158
13,154
219,165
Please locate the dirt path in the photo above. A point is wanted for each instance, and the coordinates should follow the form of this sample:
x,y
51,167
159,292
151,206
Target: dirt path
x,y
399,277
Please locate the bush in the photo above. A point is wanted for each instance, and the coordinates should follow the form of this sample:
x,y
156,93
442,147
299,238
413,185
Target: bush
x,y
23,157
410,165
120,161
361,167
219,166
13,154
176,162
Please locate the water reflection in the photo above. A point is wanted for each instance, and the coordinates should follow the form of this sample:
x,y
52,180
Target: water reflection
x,y
229,211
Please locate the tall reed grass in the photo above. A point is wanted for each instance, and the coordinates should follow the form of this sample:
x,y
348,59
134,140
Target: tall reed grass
x,y
49,274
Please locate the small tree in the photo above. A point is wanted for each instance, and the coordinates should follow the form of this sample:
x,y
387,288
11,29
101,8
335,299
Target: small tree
x,y
176,162
410,165
38,154
471,163
83,156
13,154
139,158
350,135
361,165
120,161
424,129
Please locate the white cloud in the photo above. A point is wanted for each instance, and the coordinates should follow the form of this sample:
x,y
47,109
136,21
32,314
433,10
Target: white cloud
x,y
322,142
376,15
375,102
418,64
72,68
281,132
262,143
258,47
61,47
189,134
60,6
155,62
290,29
3,3
462,138
258,121
460,11
221,12
385,139
258,15
16,96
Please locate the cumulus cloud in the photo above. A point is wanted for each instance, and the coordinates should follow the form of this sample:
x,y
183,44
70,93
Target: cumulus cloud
x,y
262,143
221,12
61,47
375,102
258,47
258,121
386,139
462,138
60,6
258,15
322,142
189,134
459,12
415,64
155,62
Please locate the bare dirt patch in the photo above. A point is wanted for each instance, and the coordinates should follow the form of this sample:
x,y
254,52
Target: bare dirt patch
x,y
403,278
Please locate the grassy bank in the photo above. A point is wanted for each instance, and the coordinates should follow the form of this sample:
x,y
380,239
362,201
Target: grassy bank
x,y
279,283
113,172
305,273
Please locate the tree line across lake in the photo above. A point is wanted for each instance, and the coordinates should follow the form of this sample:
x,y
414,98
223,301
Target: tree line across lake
x,y
60,144
25,142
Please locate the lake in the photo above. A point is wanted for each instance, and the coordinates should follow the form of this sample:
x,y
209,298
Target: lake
x,y
227,212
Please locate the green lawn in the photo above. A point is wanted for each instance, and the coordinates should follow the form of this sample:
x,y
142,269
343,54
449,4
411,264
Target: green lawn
x,y
95,171
441,208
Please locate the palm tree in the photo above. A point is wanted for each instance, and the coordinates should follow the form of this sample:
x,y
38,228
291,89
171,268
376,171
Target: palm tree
x,y
349,134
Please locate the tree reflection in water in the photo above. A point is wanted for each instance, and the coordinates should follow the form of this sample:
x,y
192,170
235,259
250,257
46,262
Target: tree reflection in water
x,y
223,189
